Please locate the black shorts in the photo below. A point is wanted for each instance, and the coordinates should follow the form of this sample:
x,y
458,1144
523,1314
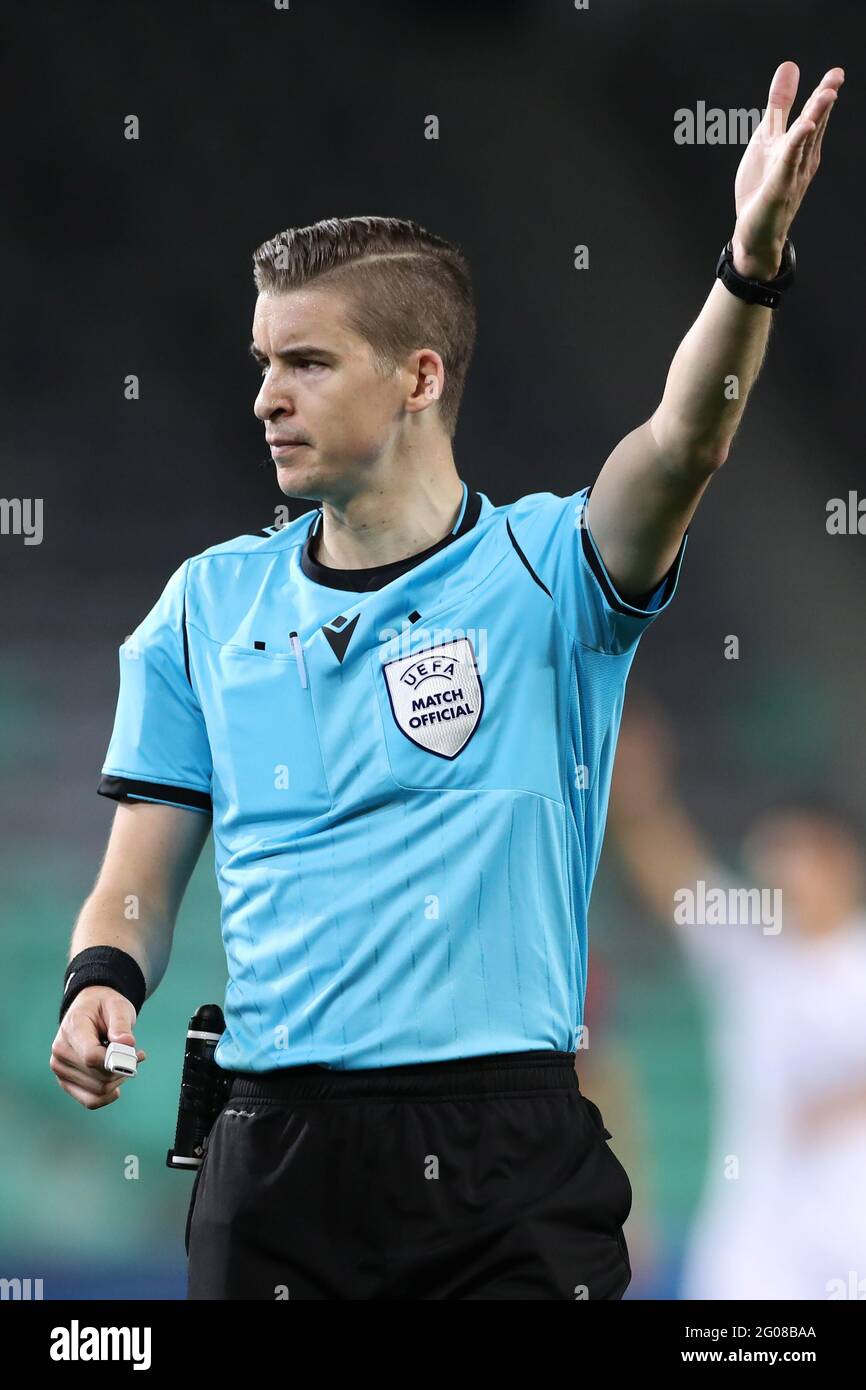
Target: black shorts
x,y
487,1177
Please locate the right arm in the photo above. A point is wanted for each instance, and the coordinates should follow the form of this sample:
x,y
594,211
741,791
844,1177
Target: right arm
x,y
151,853
660,844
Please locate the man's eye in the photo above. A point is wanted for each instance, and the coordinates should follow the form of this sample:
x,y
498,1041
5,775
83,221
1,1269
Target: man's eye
x,y
302,362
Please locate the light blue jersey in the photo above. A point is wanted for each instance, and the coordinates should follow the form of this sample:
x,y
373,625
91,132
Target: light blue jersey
x,y
408,770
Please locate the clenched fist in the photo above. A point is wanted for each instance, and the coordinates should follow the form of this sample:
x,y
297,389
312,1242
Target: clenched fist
x,y
78,1052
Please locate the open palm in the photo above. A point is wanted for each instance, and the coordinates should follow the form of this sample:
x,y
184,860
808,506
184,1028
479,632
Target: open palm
x,y
777,168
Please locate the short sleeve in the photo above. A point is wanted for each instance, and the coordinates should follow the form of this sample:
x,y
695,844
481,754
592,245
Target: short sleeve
x,y
159,749
555,541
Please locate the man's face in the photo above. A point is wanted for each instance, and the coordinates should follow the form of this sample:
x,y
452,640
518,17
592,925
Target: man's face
x,y
810,861
320,386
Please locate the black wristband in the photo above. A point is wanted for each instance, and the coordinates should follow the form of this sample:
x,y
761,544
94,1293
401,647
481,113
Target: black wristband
x,y
104,965
766,292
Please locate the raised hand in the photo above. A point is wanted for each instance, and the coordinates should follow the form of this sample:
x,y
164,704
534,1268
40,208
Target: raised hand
x,y
777,168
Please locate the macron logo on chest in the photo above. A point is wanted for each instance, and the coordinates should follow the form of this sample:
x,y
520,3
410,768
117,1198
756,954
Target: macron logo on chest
x,y
339,635
436,696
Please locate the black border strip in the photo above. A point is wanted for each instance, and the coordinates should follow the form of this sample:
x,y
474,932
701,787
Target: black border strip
x,y
127,789
633,609
186,644
538,581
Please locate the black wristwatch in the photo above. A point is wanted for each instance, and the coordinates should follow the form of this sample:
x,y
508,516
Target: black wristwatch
x,y
766,292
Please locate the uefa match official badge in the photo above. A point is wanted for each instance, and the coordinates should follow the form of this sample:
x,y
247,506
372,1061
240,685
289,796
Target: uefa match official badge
x,y
436,696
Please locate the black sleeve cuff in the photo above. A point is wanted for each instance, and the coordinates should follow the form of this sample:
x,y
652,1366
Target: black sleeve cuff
x,y
632,606
129,789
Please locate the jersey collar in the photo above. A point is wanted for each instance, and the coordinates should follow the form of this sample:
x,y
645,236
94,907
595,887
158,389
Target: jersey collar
x,y
360,581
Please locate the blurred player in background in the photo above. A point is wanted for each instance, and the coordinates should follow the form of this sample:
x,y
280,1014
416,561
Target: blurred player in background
x,y
783,1210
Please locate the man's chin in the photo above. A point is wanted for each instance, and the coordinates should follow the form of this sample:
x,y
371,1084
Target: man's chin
x,y
295,471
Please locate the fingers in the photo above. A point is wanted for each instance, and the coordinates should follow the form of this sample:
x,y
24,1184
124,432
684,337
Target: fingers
x,y
119,1017
93,1076
807,132
68,1052
72,1077
83,1043
791,155
802,151
813,140
67,1063
825,99
97,1014
822,98
79,1050
86,1098
833,77
783,90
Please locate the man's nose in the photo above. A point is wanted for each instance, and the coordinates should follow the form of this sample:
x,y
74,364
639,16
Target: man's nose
x,y
270,400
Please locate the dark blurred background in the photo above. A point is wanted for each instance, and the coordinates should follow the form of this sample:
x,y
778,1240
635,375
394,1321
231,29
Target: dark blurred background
x,y
556,128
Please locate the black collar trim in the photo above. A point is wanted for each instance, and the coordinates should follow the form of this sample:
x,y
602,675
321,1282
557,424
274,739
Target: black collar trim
x,y
360,581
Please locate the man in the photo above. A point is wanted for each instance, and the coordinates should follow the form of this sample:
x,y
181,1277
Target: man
x,y
782,1213
400,719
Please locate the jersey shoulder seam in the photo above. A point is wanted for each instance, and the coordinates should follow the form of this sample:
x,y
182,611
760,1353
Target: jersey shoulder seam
x,y
258,545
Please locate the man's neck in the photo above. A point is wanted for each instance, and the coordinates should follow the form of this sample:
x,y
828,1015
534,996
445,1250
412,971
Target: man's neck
x,y
375,529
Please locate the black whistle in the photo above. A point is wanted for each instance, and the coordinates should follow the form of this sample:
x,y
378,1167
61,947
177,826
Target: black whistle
x,y
204,1088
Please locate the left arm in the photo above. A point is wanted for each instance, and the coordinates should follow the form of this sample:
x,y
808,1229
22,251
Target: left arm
x,y
649,488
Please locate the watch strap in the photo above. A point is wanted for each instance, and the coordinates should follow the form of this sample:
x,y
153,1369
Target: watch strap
x,y
765,292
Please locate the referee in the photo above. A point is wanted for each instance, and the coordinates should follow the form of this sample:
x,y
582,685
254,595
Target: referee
x,y
398,715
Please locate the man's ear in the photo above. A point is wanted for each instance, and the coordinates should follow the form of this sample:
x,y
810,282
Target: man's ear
x,y
431,371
